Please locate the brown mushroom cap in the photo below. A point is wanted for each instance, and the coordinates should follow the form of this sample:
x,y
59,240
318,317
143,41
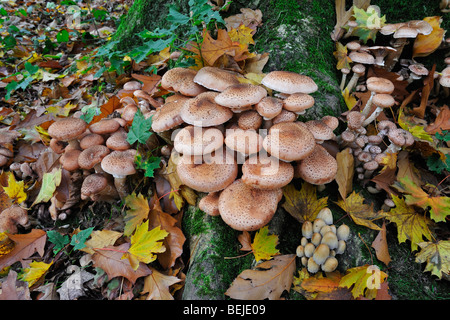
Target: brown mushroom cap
x,y
266,172
203,111
214,78
118,140
210,203
245,208
67,129
401,137
331,121
289,141
355,120
97,185
284,116
69,159
91,156
240,96
289,82
244,141
57,146
298,102
181,80
209,176
269,107
11,217
361,57
198,141
250,120
119,163
380,85
383,100
168,116
320,130
104,126
91,139
132,85
318,168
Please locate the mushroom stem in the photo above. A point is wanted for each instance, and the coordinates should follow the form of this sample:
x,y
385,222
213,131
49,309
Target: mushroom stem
x,y
368,105
372,117
392,148
120,184
352,83
343,80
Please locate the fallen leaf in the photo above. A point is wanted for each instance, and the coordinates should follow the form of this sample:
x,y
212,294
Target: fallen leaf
x,y
136,213
303,204
436,255
424,45
267,281
101,239
349,99
381,247
15,189
14,289
442,121
406,168
364,281
345,172
35,271
264,245
49,183
245,240
411,224
157,285
248,17
360,212
343,60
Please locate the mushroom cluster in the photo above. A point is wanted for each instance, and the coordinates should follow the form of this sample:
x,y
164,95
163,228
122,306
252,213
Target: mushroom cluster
x,y
321,241
240,144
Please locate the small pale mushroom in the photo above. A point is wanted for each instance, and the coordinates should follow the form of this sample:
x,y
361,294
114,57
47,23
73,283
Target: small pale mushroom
x,y
330,264
381,101
245,208
358,71
376,85
13,216
399,138
210,203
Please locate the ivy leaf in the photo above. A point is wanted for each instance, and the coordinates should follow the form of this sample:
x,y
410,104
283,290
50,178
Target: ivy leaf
x,y
264,246
411,225
303,205
15,189
436,255
439,206
35,272
364,281
145,244
79,239
58,240
149,165
62,36
140,129
360,212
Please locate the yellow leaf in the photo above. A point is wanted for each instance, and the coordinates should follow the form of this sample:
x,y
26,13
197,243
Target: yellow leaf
x,y
343,60
389,161
145,244
101,239
61,111
137,212
35,272
50,181
6,244
264,246
360,212
416,130
157,285
15,190
364,280
437,257
426,44
349,99
303,205
242,34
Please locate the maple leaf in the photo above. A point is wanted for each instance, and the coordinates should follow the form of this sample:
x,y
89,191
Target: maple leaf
x,y
418,131
360,212
35,272
100,239
15,189
157,285
137,212
242,34
264,245
436,255
145,244
369,22
303,205
320,287
389,161
411,225
6,244
442,121
438,206
268,281
50,181
343,60
365,280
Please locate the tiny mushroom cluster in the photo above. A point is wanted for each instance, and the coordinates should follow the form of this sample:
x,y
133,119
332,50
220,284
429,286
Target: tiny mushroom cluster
x,y
240,144
321,241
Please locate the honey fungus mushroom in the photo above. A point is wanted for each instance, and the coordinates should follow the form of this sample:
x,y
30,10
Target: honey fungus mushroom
x,y
198,141
240,97
181,80
215,79
319,167
67,130
289,82
245,208
13,216
98,187
120,164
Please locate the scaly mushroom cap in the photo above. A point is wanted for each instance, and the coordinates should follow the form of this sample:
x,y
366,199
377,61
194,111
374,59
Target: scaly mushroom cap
x,y
168,116
203,111
90,140
119,163
11,217
250,120
401,137
265,172
104,126
208,176
69,159
383,100
289,82
298,102
361,57
380,85
320,130
284,116
67,129
289,141
331,121
240,96
318,168
215,79
181,80
269,107
210,203
118,140
89,157
355,120
93,184
198,141
245,208
244,141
